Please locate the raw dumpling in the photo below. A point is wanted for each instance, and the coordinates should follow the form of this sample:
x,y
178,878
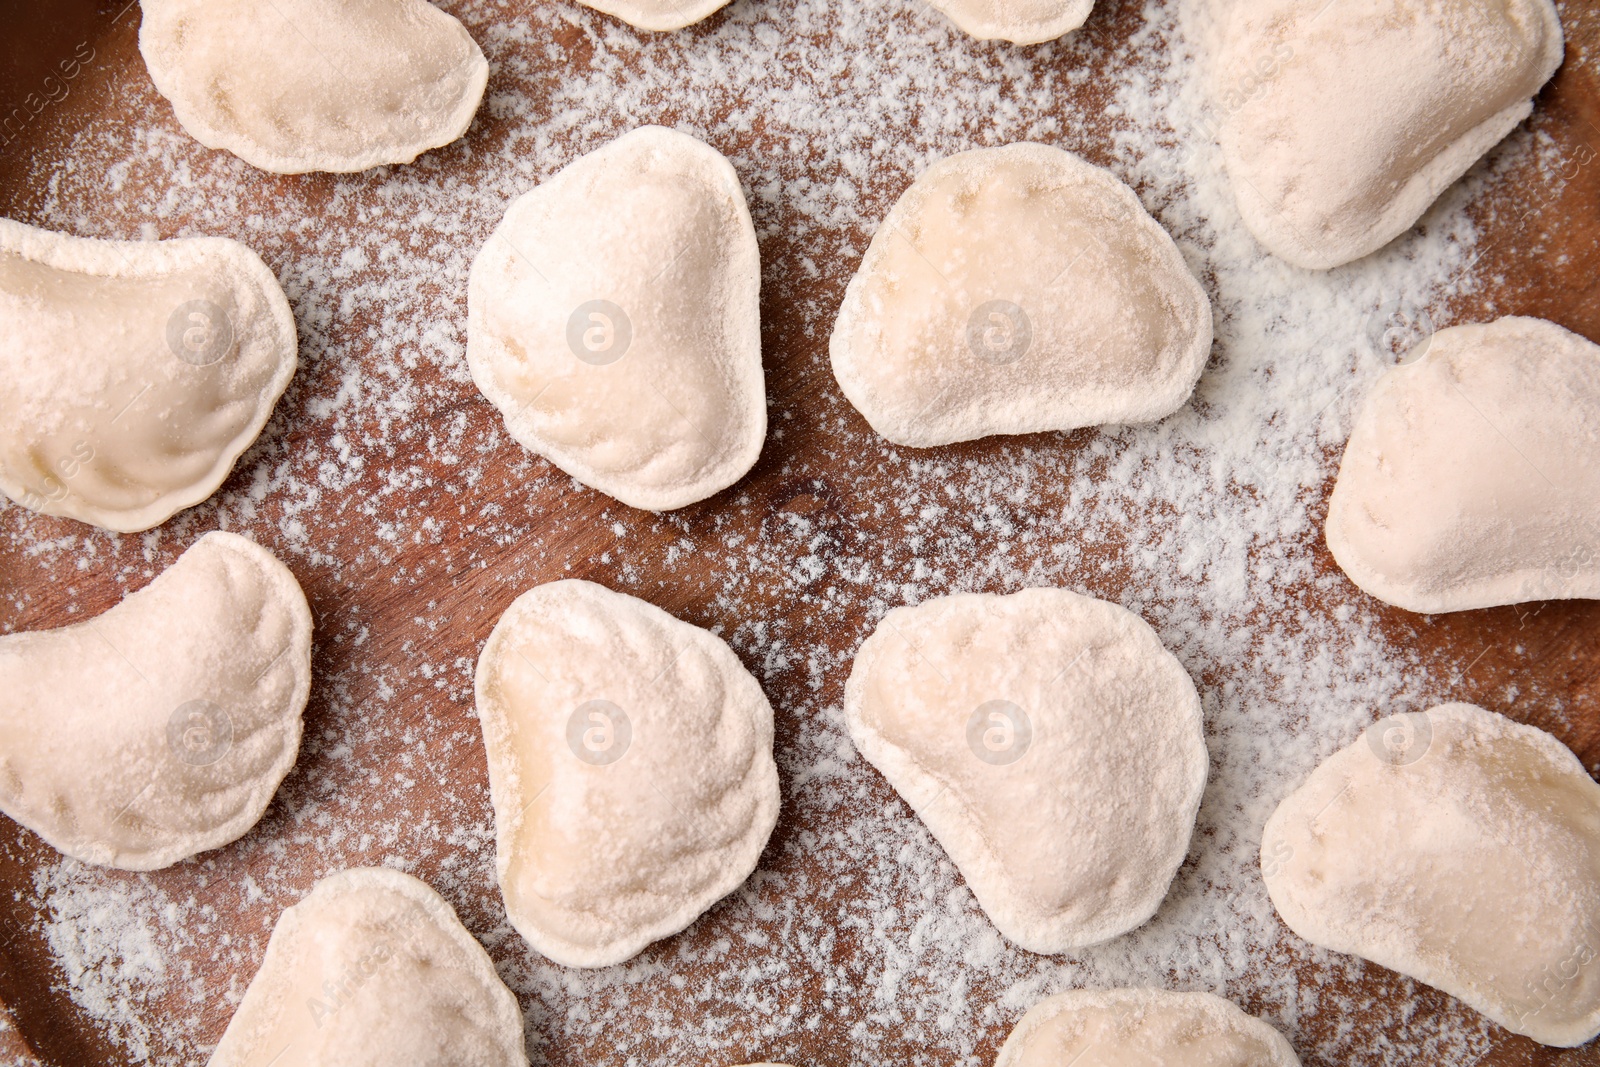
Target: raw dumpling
x,y
1461,849
1342,122
1472,477
630,765
614,319
1049,742
1018,289
1018,21
133,373
1142,1028
373,969
162,727
300,85
658,14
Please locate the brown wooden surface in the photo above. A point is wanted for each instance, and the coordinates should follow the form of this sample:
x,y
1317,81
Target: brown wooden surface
x,y
384,608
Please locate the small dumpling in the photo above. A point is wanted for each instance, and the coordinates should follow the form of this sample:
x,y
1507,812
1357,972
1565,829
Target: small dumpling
x,y
1142,1028
162,727
1049,742
630,766
1342,122
1018,21
1472,476
133,373
1461,849
314,85
614,319
373,969
658,14
1013,290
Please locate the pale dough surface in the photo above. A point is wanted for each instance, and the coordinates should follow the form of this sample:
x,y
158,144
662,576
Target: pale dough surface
x,y
162,727
133,373
1018,21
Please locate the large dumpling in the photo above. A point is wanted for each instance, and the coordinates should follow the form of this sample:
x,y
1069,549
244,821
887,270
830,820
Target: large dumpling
x,y
1049,742
373,969
303,85
162,727
1472,476
630,765
1018,289
614,319
1343,120
1459,848
133,373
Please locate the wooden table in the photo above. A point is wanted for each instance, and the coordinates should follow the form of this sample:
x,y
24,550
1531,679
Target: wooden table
x,y
409,559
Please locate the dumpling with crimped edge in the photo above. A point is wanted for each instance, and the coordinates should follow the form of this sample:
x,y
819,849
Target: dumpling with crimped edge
x,y
1017,21
133,373
613,318
1051,745
1013,290
630,767
314,85
1342,122
1472,475
162,727
373,969
1461,849
1142,1028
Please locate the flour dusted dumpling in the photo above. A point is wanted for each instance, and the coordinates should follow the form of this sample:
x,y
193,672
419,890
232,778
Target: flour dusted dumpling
x,y
162,727
1049,742
1018,21
133,373
1018,289
630,765
1142,1028
373,969
658,14
1459,848
1472,476
614,319
1342,122
314,85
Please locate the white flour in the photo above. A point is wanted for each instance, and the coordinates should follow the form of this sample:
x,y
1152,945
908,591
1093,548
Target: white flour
x,y
854,934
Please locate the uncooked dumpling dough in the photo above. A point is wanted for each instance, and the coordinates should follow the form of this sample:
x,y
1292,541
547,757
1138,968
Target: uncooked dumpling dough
x,y
614,319
1343,121
1019,21
658,14
1472,477
1142,1028
162,727
1459,848
1018,289
133,373
1049,742
630,765
373,969
301,85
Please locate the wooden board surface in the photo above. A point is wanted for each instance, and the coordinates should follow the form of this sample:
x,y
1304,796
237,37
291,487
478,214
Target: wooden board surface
x,y
409,558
